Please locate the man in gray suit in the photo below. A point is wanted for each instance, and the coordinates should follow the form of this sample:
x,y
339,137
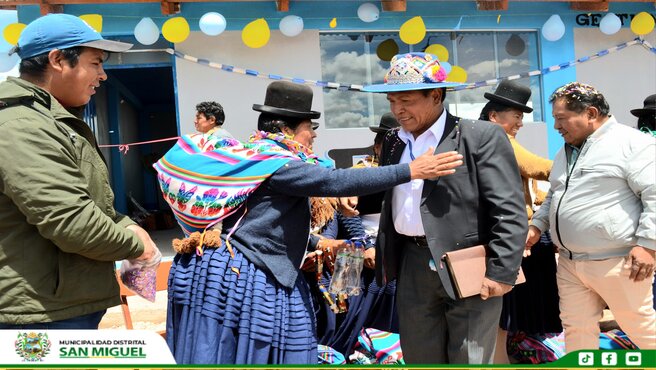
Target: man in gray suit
x,y
482,203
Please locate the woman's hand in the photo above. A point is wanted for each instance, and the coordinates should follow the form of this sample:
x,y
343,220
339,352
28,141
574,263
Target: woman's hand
x,y
310,262
346,206
329,249
370,258
429,165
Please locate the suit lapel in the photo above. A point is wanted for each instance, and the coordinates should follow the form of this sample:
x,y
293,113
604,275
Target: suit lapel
x,y
448,142
397,146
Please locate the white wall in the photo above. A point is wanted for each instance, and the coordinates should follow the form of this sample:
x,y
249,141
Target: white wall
x,y
625,77
533,137
237,93
624,84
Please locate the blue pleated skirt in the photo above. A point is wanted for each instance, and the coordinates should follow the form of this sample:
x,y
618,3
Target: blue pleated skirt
x,y
216,316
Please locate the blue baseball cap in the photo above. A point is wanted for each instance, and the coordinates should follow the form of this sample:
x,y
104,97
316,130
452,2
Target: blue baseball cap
x,y
62,31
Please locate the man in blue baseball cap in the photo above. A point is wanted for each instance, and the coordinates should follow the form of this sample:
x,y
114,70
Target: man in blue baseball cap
x,y
59,232
424,219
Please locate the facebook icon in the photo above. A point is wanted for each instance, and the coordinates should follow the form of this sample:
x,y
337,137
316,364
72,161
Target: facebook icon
x,y
586,358
609,358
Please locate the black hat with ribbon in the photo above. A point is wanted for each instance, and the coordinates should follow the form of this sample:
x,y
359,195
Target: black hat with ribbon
x,y
387,122
649,107
288,99
512,94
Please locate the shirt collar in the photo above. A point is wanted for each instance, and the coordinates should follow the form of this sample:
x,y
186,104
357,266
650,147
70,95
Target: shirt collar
x,y
605,127
436,129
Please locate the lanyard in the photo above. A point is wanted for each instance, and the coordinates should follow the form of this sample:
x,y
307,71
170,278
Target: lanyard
x,y
412,156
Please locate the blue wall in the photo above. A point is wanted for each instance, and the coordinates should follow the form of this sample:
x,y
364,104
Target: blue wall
x,y
120,19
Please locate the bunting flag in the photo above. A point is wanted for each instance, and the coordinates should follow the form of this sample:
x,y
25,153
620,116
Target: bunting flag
x,y
356,87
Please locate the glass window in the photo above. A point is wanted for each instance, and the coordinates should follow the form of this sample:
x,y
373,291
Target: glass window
x,y
363,58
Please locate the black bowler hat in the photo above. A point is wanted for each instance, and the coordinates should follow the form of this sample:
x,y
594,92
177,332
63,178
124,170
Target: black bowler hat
x,y
387,122
288,99
649,107
512,94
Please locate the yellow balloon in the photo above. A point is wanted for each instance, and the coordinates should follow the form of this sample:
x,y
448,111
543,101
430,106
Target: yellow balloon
x,y
333,23
175,29
457,74
387,49
413,31
256,34
12,32
440,51
93,20
642,23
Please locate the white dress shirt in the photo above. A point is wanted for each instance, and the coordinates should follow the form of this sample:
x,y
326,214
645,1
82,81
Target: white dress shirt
x,y
406,198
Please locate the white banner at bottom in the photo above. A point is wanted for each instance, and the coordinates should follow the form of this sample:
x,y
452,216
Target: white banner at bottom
x,y
83,347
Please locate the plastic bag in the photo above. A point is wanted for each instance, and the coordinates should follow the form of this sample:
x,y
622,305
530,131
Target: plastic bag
x,y
141,276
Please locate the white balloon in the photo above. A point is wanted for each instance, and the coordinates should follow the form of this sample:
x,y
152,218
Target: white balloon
x,y
368,12
146,31
610,24
291,25
212,23
554,28
7,62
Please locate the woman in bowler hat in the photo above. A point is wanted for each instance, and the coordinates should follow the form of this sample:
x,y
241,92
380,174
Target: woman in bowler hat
x,y
235,292
530,308
647,115
387,122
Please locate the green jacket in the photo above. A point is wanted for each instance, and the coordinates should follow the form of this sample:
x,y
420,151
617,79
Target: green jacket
x,y
59,232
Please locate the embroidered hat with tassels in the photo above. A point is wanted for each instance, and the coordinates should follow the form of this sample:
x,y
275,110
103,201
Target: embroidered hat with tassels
x,y
413,71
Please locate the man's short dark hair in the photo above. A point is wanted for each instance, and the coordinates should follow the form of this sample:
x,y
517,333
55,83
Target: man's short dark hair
x,y
579,96
36,66
426,92
211,109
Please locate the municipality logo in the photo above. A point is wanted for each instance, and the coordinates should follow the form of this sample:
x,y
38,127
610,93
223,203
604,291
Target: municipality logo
x,y
32,347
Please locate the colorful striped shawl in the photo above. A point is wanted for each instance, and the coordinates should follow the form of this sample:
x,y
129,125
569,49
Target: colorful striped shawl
x,y
204,179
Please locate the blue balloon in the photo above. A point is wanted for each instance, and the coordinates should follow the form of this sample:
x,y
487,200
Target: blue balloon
x,y
610,24
554,28
368,12
291,25
446,66
146,31
212,23
7,62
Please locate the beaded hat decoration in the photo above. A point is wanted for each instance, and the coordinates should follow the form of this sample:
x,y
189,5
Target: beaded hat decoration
x,y
413,71
415,68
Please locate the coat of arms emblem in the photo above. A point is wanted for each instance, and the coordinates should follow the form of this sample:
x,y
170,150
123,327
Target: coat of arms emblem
x,y
32,347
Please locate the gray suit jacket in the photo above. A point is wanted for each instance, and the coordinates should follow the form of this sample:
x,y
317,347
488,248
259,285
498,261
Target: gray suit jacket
x,y
482,203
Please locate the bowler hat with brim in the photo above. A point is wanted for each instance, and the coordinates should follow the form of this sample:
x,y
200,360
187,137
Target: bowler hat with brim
x,y
412,71
288,99
61,31
387,122
649,107
511,94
